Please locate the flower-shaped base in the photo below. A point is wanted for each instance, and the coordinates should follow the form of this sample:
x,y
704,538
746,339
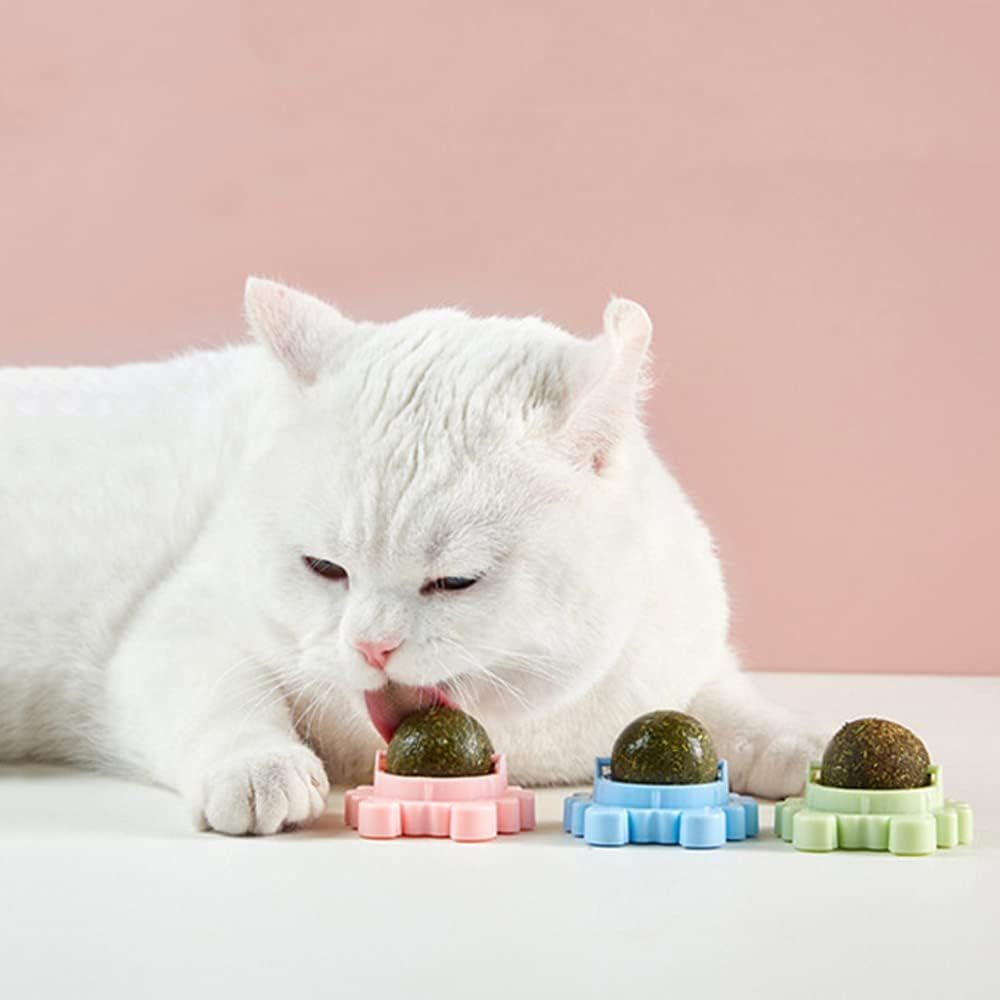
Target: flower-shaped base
x,y
617,812
901,821
467,809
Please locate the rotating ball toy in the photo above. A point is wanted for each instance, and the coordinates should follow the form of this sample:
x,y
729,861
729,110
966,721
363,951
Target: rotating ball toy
x,y
439,777
662,784
875,789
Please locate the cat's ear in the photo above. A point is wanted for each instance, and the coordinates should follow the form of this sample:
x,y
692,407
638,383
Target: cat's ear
x,y
298,328
609,404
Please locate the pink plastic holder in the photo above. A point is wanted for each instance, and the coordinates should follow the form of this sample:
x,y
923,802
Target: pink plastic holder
x,y
466,809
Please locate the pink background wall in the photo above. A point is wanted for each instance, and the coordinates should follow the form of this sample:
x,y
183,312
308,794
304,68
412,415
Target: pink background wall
x,y
806,196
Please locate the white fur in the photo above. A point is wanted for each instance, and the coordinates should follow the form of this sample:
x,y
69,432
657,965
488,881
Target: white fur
x,y
158,618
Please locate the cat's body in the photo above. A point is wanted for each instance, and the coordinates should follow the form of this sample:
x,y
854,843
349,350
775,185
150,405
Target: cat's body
x,y
158,616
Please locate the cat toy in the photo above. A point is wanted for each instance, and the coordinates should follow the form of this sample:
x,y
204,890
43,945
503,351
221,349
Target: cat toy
x,y
897,820
616,813
465,809
662,784
874,790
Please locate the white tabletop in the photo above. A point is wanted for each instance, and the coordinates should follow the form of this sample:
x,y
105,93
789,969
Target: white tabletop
x,y
105,891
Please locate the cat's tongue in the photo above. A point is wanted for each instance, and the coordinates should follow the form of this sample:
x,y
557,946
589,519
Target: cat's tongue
x,y
389,705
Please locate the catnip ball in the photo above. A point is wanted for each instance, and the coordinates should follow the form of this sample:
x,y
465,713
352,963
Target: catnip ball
x,y
875,753
664,748
440,742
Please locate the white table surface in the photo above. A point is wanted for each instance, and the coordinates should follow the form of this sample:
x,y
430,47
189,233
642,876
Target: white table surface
x,y
105,891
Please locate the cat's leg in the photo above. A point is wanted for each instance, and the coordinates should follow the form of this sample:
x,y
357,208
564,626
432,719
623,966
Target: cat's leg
x,y
767,747
200,715
252,776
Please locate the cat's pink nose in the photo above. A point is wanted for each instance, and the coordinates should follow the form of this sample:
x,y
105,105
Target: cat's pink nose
x,y
377,653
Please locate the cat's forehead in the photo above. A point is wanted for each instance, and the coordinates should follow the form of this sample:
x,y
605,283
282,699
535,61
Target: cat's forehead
x,y
441,371
440,419
415,507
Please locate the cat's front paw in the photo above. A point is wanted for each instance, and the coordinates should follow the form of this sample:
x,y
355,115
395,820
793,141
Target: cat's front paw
x,y
778,768
263,791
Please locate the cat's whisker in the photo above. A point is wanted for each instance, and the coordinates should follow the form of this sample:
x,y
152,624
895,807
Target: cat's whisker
x,y
500,684
258,709
524,663
457,682
241,663
319,705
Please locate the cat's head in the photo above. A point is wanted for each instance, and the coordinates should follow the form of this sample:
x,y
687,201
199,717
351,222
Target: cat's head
x,y
452,504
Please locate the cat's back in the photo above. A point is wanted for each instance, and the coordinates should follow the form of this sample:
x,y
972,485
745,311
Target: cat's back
x,y
106,474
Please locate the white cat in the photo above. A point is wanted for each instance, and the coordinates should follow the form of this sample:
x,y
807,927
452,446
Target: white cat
x,y
218,571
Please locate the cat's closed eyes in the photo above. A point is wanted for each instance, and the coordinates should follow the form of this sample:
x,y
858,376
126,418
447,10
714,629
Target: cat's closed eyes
x,y
230,571
334,571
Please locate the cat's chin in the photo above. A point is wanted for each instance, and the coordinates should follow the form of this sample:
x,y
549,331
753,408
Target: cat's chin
x,y
391,703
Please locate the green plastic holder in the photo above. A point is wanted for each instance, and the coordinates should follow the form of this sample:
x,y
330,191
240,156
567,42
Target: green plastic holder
x,y
898,820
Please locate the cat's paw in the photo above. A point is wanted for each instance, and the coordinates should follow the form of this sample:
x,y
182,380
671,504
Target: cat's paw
x,y
263,791
778,768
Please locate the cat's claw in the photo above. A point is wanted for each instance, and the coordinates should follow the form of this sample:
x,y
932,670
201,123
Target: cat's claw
x,y
263,792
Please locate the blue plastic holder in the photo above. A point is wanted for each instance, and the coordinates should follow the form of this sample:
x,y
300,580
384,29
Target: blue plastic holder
x,y
618,812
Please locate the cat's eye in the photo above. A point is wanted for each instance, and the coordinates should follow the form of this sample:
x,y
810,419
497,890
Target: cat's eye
x,y
325,568
448,583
